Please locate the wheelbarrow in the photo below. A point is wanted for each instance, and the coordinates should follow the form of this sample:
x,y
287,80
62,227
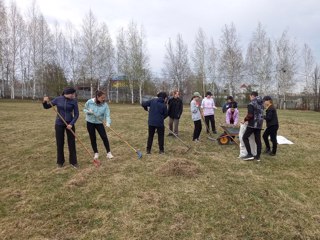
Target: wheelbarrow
x,y
229,135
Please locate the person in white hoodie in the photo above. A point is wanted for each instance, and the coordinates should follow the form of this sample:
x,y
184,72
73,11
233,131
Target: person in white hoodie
x,y
97,111
208,107
196,115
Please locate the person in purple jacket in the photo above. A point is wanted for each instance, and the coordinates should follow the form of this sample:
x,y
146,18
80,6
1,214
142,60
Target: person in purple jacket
x,y
67,106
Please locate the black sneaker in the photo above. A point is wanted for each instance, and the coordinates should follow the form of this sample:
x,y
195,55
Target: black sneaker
x,y
257,158
60,165
148,151
248,157
161,152
267,151
214,132
271,154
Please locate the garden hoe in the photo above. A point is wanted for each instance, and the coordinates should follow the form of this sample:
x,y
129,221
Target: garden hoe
x,y
139,153
96,162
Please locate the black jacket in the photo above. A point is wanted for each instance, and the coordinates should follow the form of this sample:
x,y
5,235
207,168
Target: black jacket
x,y
157,111
175,108
271,116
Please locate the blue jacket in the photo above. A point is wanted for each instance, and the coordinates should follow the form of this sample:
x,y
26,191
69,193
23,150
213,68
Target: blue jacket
x,y
100,112
157,111
68,109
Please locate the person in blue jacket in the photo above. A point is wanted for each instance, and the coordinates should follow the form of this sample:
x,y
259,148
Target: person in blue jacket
x,y
97,111
157,113
67,106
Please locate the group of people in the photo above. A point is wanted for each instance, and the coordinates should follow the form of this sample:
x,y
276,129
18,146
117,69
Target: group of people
x,y
254,120
203,110
97,112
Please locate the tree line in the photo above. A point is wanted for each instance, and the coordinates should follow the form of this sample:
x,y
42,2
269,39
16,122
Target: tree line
x,y
37,60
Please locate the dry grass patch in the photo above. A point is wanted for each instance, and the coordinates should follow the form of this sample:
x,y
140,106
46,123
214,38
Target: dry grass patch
x,y
179,167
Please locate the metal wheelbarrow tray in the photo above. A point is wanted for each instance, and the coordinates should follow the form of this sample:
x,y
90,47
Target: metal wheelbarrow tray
x,y
229,135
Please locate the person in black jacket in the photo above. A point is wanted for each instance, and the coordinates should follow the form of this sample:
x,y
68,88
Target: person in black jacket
x,y
157,113
231,103
67,106
255,120
271,118
175,108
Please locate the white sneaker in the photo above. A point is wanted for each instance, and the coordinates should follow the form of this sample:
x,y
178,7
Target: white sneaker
x,y
96,156
109,155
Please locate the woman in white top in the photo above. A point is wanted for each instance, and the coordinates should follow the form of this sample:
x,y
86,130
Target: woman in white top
x,y
208,107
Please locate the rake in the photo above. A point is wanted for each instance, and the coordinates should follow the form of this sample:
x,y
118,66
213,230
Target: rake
x,y
174,134
96,162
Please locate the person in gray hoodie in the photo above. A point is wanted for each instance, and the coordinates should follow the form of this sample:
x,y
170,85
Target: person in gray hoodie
x,y
254,118
196,115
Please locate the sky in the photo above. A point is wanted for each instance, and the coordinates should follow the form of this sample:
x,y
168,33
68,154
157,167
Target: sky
x,y
164,19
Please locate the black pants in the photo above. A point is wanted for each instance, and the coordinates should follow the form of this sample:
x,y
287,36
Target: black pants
x,y
92,127
60,144
160,131
257,138
197,129
272,132
210,119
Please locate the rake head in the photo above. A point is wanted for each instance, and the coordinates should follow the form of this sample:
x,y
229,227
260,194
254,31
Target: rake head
x,y
96,162
139,154
212,139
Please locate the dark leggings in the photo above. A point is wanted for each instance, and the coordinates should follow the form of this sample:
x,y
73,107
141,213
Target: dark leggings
x,y
60,130
92,127
197,129
210,119
272,132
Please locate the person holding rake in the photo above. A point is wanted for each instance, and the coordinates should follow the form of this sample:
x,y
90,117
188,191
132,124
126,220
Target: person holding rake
x,y
67,108
97,110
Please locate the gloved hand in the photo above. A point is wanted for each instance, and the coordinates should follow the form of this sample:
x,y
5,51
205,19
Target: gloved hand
x,y
90,111
107,124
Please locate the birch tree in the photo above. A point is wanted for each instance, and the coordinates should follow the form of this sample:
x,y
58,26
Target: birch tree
x,y
316,87
308,67
15,23
199,58
176,63
286,64
33,47
89,42
139,59
259,60
106,56
231,61
123,61
3,44
74,59
212,66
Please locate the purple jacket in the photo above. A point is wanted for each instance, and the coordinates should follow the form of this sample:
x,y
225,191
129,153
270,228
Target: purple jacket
x,y
235,116
68,109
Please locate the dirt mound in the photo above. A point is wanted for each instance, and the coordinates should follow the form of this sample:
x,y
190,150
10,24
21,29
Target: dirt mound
x,y
179,167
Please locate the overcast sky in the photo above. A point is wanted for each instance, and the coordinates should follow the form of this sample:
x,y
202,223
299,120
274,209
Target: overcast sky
x,y
164,19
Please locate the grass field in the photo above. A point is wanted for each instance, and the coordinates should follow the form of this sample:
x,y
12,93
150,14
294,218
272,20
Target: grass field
x,y
206,193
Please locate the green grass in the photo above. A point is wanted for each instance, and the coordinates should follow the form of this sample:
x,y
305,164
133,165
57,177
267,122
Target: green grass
x,y
127,198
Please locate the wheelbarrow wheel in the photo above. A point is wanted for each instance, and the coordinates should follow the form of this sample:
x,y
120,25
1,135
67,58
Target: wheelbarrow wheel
x,y
223,139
